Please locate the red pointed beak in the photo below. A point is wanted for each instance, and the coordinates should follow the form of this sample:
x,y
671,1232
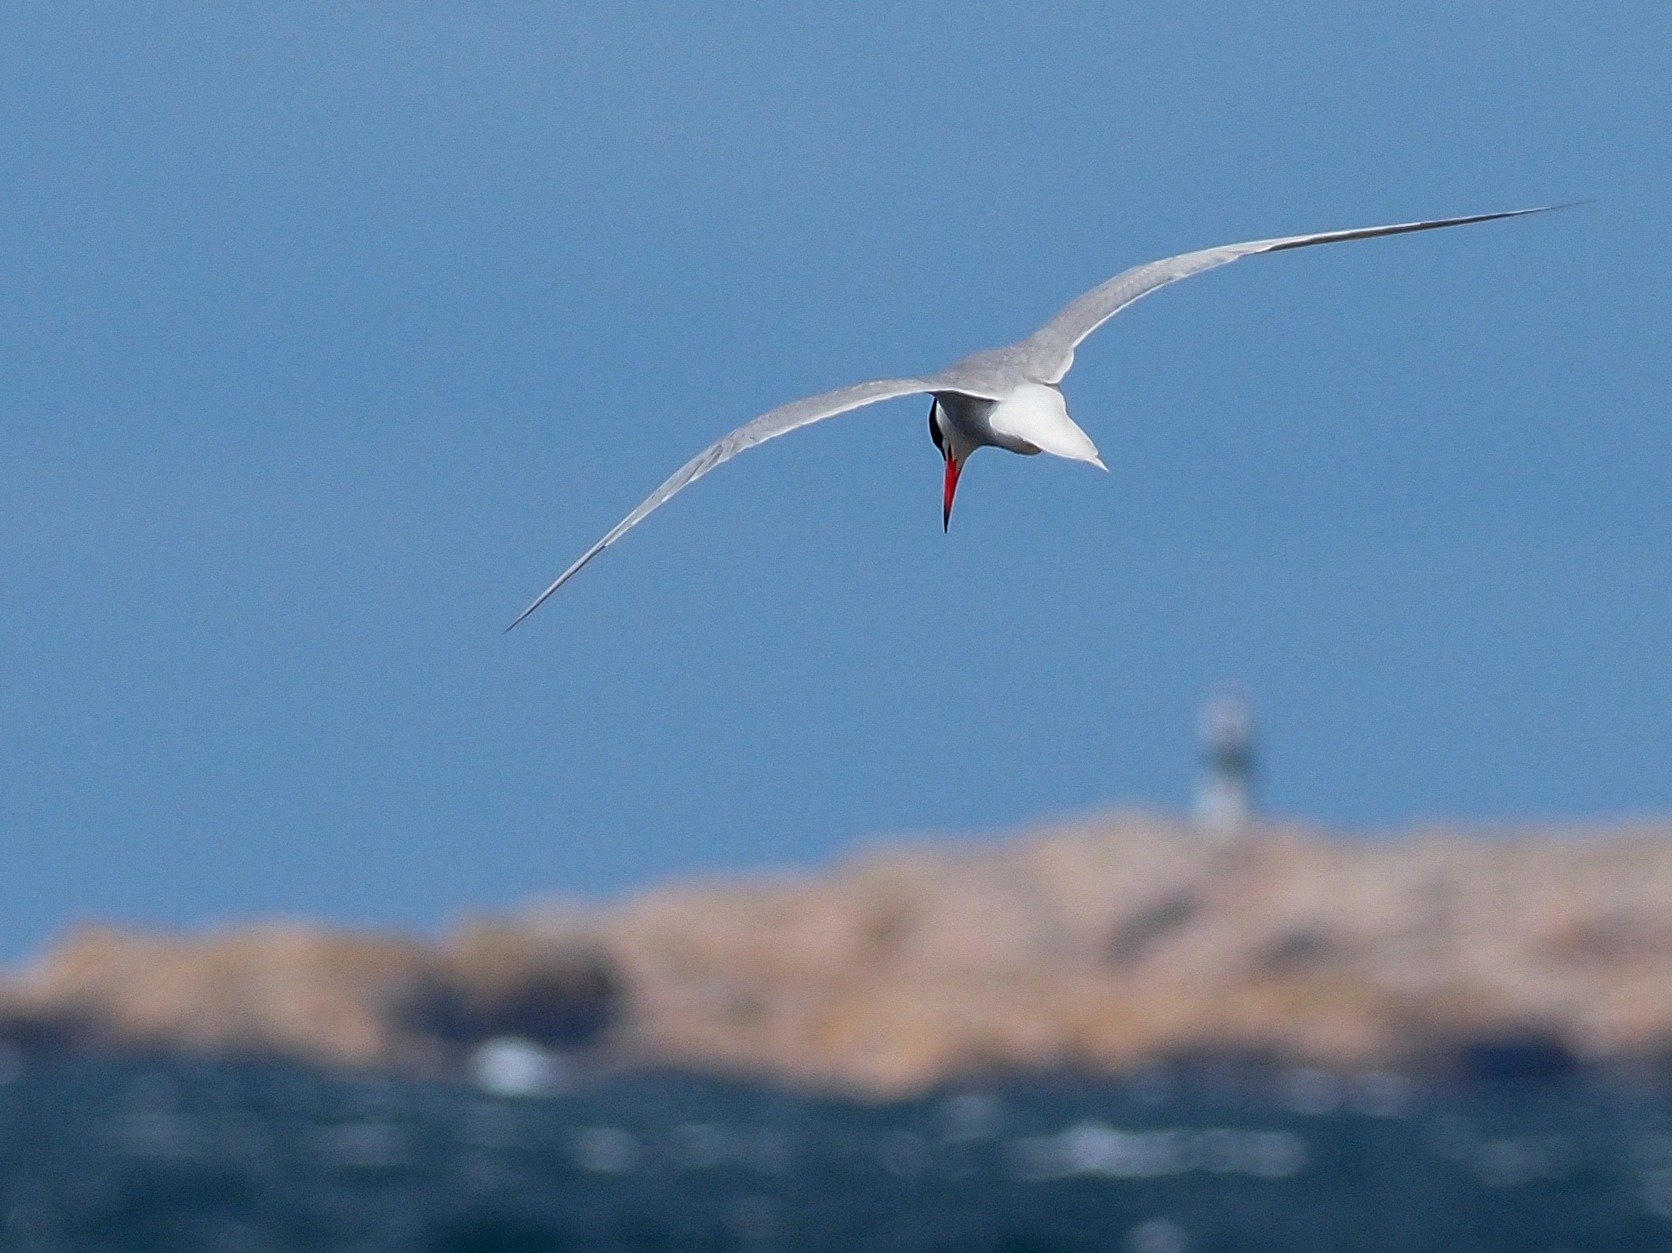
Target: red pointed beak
x,y
952,471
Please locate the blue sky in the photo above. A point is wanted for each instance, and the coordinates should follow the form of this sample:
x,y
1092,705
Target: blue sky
x,y
330,338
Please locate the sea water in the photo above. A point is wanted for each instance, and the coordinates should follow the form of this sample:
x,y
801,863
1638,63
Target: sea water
x,y
127,1156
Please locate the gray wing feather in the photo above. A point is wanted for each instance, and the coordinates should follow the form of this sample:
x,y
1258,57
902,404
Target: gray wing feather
x,y
769,425
1047,354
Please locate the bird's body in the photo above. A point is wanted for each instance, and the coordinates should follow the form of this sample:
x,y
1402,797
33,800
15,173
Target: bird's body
x,y
1031,419
1004,398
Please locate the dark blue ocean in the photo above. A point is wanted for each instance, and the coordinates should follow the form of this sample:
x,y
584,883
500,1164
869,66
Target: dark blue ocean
x,y
96,1155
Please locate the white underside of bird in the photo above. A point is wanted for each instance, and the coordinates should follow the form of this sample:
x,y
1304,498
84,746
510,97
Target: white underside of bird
x,y
1034,419
1002,397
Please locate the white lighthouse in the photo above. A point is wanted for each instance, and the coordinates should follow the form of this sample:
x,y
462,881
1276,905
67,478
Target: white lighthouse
x,y
1225,788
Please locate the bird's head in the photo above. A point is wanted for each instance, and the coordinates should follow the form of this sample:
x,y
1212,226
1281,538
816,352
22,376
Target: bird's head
x,y
954,456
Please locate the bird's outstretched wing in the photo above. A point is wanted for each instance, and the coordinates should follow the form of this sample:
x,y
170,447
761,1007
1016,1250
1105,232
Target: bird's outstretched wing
x,y
769,425
1047,354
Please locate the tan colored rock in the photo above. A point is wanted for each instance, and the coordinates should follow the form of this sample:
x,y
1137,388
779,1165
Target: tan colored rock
x,y
281,989
1101,944
1119,940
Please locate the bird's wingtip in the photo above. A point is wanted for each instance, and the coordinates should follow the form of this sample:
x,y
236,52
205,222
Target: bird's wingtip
x,y
1550,208
525,614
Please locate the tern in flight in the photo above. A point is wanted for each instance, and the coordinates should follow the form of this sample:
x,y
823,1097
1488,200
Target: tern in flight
x,y
1001,398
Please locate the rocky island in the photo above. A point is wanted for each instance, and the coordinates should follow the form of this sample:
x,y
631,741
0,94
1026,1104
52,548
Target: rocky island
x,y
1101,945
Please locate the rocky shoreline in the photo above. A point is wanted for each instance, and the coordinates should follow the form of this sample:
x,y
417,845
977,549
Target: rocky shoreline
x,y
1102,945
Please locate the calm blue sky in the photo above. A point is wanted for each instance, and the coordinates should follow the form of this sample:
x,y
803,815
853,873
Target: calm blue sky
x,y
328,339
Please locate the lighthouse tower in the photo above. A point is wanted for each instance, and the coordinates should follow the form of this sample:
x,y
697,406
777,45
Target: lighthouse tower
x,y
1225,788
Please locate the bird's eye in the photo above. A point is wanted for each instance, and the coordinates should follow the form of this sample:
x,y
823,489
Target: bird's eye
x,y
934,427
